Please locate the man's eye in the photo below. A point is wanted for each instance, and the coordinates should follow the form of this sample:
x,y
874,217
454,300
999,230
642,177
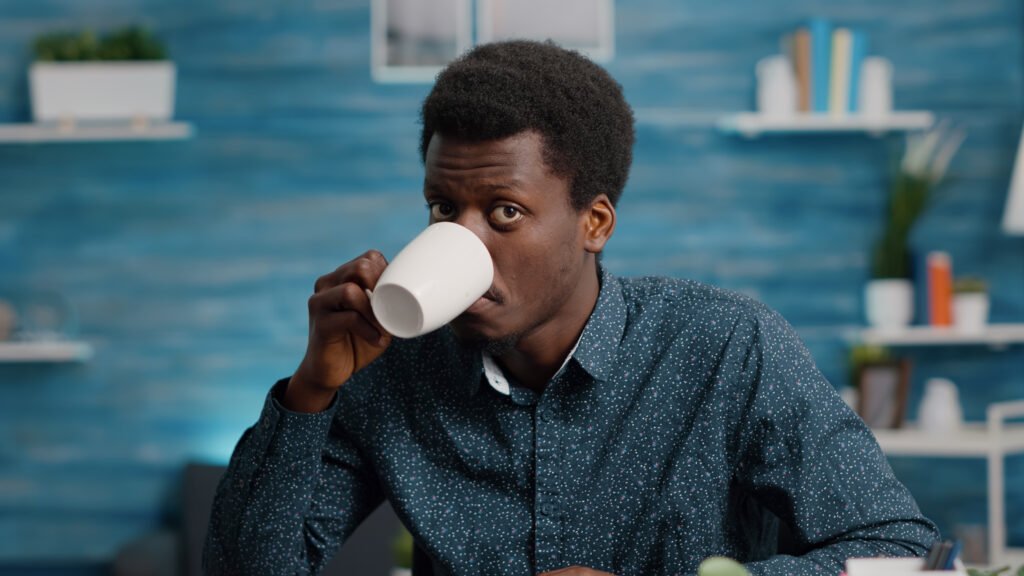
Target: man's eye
x,y
505,215
441,210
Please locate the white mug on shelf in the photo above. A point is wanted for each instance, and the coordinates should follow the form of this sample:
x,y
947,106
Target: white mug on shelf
x,y
940,410
874,99
776,86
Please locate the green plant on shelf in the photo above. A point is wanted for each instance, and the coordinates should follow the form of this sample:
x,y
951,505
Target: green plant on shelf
x,y
863,354
993,571
129,43
970,285
925,160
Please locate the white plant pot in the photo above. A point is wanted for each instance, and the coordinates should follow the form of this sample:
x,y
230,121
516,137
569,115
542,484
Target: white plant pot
x,y
71,91
889,303
970,311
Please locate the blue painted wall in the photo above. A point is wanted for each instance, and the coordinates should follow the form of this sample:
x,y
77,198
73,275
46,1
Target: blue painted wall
x,y
189,263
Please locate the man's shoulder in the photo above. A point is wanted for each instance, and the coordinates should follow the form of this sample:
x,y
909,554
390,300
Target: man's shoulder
x,y
687,300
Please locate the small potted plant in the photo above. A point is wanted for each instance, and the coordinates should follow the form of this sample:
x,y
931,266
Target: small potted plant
x,y
970,304
125,75
889,296
401,552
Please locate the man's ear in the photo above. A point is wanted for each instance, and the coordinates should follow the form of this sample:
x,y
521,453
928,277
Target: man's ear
x,y
598,223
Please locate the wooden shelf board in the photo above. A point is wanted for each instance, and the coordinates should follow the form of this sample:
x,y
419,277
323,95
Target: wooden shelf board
x,y
972,440
35,133
752,124
993,335
45,351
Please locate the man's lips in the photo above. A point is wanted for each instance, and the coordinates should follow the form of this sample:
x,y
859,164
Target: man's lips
x,y
489,299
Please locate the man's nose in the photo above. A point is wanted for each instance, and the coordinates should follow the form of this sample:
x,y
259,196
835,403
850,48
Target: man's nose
x,y
475,221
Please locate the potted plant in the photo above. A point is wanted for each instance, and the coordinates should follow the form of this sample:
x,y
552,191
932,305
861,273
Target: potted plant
x,y
970,304
1001,571
125,75
889,296
402,551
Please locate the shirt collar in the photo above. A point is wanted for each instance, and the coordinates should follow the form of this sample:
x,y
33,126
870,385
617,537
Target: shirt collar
x,y
596,349
599,345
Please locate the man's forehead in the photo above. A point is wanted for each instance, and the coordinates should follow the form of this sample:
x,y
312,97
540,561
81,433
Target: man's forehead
x,y
523,151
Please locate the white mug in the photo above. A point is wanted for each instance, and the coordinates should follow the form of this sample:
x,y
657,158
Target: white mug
x,y
776,87
875,97
436,277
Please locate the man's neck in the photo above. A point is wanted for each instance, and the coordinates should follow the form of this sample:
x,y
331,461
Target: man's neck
x,y
539,355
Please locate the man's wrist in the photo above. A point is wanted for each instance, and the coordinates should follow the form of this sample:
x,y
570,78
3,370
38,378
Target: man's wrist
x,y
301,396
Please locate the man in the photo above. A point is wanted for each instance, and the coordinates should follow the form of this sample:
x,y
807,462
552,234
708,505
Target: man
x,y
570,421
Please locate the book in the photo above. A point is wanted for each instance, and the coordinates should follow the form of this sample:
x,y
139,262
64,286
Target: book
x,y
839,80
801,57
858,51
940,289
821,63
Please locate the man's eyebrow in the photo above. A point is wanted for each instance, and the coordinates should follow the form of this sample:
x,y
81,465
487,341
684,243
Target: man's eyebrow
x,y
511,186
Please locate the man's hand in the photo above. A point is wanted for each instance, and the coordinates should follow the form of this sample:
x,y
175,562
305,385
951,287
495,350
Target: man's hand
x,y
576,571
344,335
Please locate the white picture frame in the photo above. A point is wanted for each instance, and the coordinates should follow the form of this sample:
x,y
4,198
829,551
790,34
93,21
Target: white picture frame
x,y
412,40
584,25
1013,214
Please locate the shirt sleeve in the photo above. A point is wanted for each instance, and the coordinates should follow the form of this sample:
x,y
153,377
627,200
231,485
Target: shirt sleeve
x,y
295,488
814,463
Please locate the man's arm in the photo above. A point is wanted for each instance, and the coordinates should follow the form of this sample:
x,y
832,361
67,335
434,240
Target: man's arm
x,y
294,490
814,463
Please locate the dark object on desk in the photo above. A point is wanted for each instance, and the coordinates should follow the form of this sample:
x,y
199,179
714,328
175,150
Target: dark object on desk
x,y
942,555
367,552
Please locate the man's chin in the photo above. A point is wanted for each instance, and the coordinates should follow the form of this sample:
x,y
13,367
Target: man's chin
x,y
495,345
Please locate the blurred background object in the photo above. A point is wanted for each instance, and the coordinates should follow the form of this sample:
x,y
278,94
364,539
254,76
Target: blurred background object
x,y
181,254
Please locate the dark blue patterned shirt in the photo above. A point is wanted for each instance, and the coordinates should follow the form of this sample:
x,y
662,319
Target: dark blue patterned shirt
x,y
687,423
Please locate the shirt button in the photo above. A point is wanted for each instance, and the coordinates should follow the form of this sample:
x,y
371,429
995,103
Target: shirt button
x,y
549,509
547,415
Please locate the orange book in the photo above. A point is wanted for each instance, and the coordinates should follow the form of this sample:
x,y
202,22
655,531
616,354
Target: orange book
x,y
801,57
940,289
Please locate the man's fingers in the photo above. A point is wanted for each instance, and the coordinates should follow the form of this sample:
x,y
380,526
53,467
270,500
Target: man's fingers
x,y
349,322
344,298
364,271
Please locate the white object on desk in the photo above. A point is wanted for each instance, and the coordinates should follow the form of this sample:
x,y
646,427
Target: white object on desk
x,y
896,567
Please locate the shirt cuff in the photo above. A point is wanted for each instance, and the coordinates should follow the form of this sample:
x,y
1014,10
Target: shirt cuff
x,y
293,435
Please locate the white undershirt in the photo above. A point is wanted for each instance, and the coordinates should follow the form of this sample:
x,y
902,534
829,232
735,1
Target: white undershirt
x,y
496,376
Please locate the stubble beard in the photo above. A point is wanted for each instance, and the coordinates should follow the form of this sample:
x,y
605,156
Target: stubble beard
x,y
492,347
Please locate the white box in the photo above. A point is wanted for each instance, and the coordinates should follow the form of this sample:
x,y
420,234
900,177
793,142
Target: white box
x,y
70,91
897,567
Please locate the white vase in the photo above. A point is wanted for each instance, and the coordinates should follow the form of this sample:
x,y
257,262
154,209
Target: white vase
x,y
889,303
940,410
970,311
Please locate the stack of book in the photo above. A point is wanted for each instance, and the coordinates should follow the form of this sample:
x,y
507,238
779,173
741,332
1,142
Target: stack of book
x,y
826,62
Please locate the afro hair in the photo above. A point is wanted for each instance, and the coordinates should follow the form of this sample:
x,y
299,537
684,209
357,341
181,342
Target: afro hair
x,y
505,88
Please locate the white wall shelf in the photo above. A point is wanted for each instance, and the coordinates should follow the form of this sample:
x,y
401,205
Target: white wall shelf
x,y
45,351
996,335
36,133
993,440
752,124
972,441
